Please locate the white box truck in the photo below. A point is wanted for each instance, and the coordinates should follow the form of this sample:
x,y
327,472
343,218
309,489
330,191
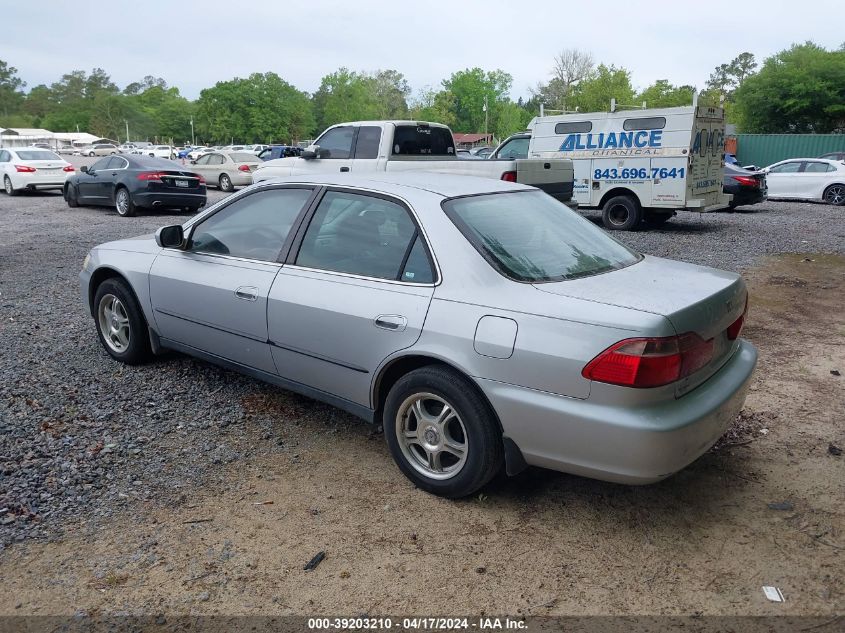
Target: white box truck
x,y
638,165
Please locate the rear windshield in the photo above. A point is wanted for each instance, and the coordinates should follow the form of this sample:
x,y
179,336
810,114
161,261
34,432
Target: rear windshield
x,y
531,237
422,140
243,157
37,155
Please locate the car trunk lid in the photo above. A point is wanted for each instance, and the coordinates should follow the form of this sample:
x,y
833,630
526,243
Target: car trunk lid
x,y
692,298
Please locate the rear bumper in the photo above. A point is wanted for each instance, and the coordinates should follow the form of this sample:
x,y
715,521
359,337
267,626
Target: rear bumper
x,y
166,199
631,445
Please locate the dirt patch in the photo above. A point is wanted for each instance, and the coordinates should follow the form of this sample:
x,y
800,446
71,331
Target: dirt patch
x,y
765,507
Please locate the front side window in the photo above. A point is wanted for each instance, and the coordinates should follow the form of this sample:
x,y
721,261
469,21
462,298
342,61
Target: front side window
x,y
362,235
531,237
103,163
254,226
515,148
202,160
786,168
336,143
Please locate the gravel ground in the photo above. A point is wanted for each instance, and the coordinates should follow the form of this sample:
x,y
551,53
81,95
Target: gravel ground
x,y
82,437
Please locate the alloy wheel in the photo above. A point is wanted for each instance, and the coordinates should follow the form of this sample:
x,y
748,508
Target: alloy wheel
x,y
432,436
835,195
122,202
7,184
114,323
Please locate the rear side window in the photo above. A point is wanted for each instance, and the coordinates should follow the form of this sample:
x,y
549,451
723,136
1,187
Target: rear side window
x,y
367,144
574,127
645,123
786,168
243,157
254,226
422,140
818,168
531,237
363,235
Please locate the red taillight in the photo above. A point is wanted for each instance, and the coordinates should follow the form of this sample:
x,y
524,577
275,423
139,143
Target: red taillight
x,y
200,178
243,167
735,328
748,181
24,169
68,168
509,176
650,362
153,176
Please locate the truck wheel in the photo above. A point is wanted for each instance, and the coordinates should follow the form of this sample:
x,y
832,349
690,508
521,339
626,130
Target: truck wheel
x,y
656,219
621,213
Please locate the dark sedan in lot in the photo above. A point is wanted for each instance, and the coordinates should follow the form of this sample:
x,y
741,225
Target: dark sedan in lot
x,y
130,182
746,187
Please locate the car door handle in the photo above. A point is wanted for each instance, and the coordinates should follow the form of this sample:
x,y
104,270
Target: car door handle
x,y
247,293
394,322
344,169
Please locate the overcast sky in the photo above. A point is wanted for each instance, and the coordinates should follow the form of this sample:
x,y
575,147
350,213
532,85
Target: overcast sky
x,y
192,45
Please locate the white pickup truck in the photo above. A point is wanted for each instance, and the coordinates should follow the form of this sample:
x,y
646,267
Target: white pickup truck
x,y
380,146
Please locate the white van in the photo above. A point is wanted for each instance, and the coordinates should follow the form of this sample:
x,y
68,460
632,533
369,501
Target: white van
x,y
638,165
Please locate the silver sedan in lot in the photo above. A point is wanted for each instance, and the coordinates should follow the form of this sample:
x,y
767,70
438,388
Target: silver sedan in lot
x,y
483,323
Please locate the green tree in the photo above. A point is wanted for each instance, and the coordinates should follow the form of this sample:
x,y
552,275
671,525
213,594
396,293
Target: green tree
x,y
662,94
261,108
345,95
726,78
799,90
11,89
608,82
434,106
511,118
571,66
468,89
390,91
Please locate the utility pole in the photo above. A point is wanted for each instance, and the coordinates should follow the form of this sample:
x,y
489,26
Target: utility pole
x,y
485,118
193,138
127,130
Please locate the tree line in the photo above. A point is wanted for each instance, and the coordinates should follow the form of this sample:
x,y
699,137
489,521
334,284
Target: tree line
x,y
800,89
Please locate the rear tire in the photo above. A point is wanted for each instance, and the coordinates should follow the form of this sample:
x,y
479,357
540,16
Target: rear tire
x,y
452,455
123,203
225,183
71,197
835,195
621,213
8,187
121,326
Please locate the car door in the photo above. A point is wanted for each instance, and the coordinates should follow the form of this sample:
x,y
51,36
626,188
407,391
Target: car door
x,y
781,179
216,166
335,152
212,295
201,166
355,289
813,178
92,184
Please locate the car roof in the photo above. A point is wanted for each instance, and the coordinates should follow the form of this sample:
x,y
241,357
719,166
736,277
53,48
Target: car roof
x,y
149,162
445,185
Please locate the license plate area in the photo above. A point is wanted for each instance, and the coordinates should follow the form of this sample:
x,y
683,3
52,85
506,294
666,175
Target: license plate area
x,y
182,183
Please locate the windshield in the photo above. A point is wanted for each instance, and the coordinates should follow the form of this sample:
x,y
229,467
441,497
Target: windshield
x,y
37,155
529,236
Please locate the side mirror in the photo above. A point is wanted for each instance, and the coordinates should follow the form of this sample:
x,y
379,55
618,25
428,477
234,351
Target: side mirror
x,y
170,236
84,169
309,154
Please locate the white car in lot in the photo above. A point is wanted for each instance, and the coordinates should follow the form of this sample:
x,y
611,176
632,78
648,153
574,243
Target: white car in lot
x,y
32,168
196,152
161,151
807,179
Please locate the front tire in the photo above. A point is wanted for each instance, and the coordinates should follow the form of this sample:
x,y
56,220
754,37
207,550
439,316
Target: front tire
x,y
442,433
71,197
8,187
121,326
621,213
835,195
123,203
225,183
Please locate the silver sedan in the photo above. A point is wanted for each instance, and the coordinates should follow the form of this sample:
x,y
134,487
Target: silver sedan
x,y
482,323
227,169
